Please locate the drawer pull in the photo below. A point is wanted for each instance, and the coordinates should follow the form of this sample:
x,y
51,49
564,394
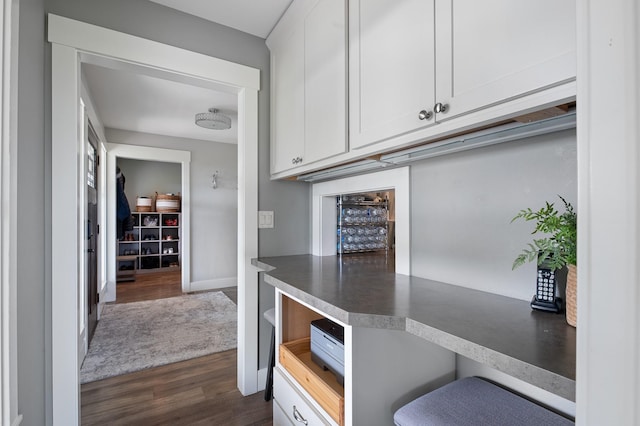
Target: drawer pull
x,y
298,416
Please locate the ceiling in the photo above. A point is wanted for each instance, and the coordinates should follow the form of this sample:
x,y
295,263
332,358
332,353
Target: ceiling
x,y
250,16
132,101
136,101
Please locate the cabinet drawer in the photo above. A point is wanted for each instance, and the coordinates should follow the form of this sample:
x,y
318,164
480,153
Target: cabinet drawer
x,y
293,405
280,418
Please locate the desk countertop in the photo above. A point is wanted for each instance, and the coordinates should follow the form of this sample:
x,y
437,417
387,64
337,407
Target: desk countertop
x,y
501,332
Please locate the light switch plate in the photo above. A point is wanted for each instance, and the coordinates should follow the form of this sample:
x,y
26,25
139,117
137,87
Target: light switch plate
x,y
265,219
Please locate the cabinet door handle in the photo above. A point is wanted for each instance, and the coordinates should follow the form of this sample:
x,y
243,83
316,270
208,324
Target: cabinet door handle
x,y
298,416
425,115
440,107
293,161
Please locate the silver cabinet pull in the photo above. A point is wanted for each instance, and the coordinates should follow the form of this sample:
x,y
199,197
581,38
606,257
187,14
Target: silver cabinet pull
x,y
296,160
298,416
425,115
440,107
293,161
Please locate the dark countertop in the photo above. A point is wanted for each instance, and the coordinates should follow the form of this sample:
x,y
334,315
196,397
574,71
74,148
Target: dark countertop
x,y
498,331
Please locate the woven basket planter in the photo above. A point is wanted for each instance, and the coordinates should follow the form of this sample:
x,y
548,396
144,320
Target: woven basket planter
x,y
144,204
572,296
167,203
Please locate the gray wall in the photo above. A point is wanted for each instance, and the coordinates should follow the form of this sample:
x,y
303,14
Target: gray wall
x,y
144,19
462,205
144,178
33,221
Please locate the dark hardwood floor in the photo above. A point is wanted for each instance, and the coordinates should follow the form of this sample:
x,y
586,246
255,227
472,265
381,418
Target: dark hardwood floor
x,y
201,391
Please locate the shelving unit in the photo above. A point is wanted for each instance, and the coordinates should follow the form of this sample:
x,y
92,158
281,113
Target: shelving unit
x,y
326,401
153,245
362,224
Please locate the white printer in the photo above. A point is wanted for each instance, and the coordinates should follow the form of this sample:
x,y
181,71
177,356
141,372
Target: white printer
x,y
327,346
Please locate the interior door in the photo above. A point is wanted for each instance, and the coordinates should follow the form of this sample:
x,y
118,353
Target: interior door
x,y
92,229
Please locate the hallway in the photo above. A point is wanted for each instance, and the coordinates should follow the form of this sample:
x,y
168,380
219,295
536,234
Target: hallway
x,y
197,391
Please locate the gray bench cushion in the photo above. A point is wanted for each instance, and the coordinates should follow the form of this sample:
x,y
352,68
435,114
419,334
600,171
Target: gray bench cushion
x,y
473,401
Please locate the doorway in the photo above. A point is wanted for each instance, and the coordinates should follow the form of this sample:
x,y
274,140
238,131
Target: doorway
x,y
148,250
92,233
72,43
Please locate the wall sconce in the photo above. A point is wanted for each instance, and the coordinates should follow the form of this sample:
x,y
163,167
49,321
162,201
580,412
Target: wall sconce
x,y
214,180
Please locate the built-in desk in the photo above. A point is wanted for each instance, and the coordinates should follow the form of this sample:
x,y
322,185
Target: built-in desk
x,y
501,332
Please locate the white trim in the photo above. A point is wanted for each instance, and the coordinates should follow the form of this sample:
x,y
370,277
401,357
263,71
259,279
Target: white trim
x,y
115,151
608,341
105,42
213,284
64,239
71,40
8,199
247,241
323,211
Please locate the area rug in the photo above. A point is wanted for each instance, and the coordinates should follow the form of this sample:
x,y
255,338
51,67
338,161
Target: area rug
x,y
135,336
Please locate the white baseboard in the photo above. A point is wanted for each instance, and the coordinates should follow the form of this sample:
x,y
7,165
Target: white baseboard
x,y
213,284
17,420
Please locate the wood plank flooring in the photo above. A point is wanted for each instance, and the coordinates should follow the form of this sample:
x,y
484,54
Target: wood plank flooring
x,y
149,286
201,391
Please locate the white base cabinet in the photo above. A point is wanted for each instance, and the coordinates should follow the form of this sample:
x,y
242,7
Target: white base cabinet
x,y
292,406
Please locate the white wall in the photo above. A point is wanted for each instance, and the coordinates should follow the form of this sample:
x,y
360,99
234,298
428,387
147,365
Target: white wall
x,y
462,205
213,211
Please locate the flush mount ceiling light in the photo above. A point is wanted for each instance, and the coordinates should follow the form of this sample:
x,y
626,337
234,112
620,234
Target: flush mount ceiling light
x,y
213,120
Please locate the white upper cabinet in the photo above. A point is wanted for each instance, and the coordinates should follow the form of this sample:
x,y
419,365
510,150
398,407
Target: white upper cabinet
x,y
308,84
287,101
391,68
325,77
493,51
415,64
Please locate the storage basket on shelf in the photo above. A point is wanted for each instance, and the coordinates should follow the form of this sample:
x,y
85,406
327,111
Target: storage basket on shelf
x,y
144,204
167,203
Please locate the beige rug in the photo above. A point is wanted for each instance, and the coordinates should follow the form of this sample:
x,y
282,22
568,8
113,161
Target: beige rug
x,y
134,336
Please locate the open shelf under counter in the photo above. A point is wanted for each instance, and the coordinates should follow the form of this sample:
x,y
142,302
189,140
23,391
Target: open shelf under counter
x,y
295,357
369,361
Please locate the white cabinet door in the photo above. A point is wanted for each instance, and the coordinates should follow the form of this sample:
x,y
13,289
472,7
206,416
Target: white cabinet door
x,y
496,50
308,80
287,101
325,75
391,68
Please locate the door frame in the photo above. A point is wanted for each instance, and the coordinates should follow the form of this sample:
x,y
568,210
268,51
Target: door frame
x,y
86,331
135,152
72,42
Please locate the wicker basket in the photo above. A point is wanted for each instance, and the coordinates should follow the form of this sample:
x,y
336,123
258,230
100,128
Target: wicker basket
x,y
144,204
167,203
572,296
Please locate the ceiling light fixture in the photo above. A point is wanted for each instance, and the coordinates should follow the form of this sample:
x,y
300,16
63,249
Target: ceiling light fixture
x,y
213,120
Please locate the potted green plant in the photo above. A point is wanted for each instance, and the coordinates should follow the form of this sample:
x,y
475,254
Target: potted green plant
x,y
556,249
